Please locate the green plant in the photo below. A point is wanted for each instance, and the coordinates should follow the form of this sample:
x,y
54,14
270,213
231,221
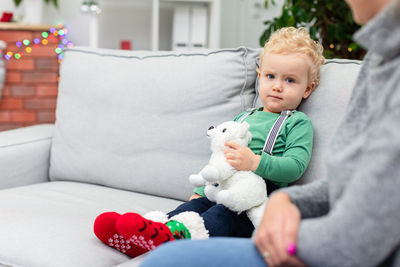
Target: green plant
x,y
55,2
329,22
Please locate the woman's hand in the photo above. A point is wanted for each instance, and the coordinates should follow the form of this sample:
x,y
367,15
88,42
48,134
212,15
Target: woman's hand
x,y
241,158
278,231
195,196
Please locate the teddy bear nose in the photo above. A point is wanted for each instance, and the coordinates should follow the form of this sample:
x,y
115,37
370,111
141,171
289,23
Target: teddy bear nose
x,y
211,127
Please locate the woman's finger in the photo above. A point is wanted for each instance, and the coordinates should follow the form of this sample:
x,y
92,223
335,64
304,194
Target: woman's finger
x,y
276,241
267,238
291,228
260,241
272,234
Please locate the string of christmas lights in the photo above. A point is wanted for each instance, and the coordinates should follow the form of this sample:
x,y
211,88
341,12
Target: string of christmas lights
x,y
26,46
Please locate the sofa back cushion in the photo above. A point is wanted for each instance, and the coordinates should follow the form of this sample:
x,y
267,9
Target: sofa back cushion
x,y
138,120
326,107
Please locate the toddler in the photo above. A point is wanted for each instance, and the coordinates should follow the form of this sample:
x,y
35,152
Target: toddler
x,y
288,73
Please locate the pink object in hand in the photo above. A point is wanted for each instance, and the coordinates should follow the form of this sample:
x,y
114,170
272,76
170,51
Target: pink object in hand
x,y
291,248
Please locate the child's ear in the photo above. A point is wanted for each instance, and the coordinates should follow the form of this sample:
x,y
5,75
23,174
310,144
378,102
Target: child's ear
x,y
309,90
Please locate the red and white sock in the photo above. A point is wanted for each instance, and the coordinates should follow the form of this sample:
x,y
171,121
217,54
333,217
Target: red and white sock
x,y
142,232
105,230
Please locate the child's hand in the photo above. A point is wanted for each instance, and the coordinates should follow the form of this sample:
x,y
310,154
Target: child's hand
x,y
195,196
241,158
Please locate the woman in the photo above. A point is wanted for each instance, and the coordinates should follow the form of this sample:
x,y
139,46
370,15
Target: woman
x,y
351,217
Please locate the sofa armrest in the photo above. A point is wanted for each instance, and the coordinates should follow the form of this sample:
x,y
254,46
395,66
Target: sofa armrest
x,y
25,155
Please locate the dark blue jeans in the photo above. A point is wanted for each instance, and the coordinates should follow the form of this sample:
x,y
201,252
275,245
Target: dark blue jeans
x,y
218,220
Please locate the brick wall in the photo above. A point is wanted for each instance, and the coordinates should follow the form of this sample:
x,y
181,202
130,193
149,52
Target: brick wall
x,y
30,91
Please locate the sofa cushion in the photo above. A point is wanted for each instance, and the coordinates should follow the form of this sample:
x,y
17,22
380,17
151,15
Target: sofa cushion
x,y
24,155
138,120
326,107
51,224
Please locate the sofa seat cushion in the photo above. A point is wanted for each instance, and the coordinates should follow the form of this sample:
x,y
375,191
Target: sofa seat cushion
x,y
51,224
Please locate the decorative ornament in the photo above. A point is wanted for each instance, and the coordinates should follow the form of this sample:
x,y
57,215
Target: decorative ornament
x,y
6,17
27,46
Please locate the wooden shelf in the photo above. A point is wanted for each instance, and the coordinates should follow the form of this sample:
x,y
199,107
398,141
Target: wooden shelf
x,y
12,26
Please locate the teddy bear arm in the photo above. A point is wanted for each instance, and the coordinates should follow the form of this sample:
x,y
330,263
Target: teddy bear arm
x,y
225,170
210,173
197,180
246,192
211,192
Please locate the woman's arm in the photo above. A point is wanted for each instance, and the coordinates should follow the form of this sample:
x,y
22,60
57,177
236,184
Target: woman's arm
x,y
363,226
311,199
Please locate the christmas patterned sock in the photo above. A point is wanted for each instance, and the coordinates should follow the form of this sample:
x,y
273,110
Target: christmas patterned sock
x,y
145,233
104,229
178,230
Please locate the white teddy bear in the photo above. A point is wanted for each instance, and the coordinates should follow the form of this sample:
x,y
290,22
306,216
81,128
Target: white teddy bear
x,y
237,190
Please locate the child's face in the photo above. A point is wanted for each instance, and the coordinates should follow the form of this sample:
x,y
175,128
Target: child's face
x,y
284,81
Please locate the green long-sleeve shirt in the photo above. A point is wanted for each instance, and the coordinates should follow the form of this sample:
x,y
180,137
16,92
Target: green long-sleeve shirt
x,y
292,150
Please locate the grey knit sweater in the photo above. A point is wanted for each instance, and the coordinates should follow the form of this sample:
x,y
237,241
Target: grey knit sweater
x,y
352,216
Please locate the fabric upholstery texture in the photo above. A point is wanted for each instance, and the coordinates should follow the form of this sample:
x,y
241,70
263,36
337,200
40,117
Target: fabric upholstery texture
x,y
326,107
51,224
129,120
24,155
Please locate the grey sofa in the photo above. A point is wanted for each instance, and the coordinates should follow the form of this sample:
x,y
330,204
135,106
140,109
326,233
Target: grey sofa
x,y
130,129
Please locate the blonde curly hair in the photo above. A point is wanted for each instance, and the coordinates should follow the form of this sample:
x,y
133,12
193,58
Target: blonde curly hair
x,y
296,40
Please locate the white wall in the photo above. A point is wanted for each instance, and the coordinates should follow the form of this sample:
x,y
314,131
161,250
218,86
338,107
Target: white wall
x,y
67,13
6,5
241,22
118,22
131,20
70,15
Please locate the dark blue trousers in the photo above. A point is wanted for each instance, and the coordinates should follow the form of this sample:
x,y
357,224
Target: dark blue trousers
x,y
218,220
